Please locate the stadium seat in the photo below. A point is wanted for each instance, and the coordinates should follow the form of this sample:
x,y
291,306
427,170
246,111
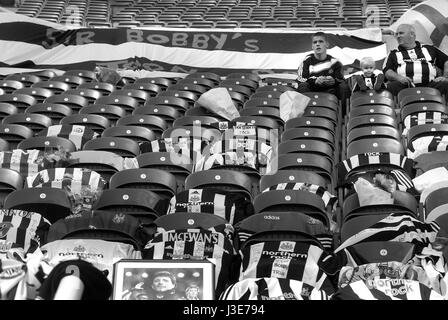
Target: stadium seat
x,y
371,120
34,121
10,180
262,102
229,180
125,102
192,121
419,98
93,121
248,83
56,87
322,112
143,204
104,162
272,113
291,176
306,146
44,74
362,100
140,95
201,111
161,182
161,82
372,109
53,204
72,80
244,75
87,75
308,133
413,110
277,88
124,147
179,103
189,87
310,122
306,161
292,201
90,94
103,87
40,94
52,110
245,91
180,165
111,112
205,75
356,224
26,79
381,252
10,86
372,94
402,202
136,133
266,94
321,96
203,82
14,133
260,121
46,143
188,96
179,221
367,145
151,89
20,101
417,91
7,109
154,123
373,132
166,112
75,102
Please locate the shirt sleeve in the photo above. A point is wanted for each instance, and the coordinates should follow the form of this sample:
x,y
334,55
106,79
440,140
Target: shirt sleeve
x,y
303,73
391,63
439,56
338,72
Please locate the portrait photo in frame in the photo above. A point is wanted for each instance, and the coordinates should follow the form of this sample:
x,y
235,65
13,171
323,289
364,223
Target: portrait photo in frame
x,y
163,280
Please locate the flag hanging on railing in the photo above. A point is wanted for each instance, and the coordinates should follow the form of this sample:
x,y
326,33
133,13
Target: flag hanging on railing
x,y
34,43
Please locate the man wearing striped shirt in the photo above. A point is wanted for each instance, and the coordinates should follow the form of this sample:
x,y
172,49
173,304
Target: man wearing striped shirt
x,y
415,64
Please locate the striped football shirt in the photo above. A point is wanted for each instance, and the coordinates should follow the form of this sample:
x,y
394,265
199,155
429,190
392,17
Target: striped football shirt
x,y
21,229
63,177
284,259
231,206
272,289
427,144
195,244
396,227
79,135
27,162
418,63
373,158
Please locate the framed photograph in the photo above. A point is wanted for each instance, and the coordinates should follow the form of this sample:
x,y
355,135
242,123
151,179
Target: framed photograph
x,y
163,280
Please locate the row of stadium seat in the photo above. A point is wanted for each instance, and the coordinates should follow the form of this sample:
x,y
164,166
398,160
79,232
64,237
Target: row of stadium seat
x,y
215,14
